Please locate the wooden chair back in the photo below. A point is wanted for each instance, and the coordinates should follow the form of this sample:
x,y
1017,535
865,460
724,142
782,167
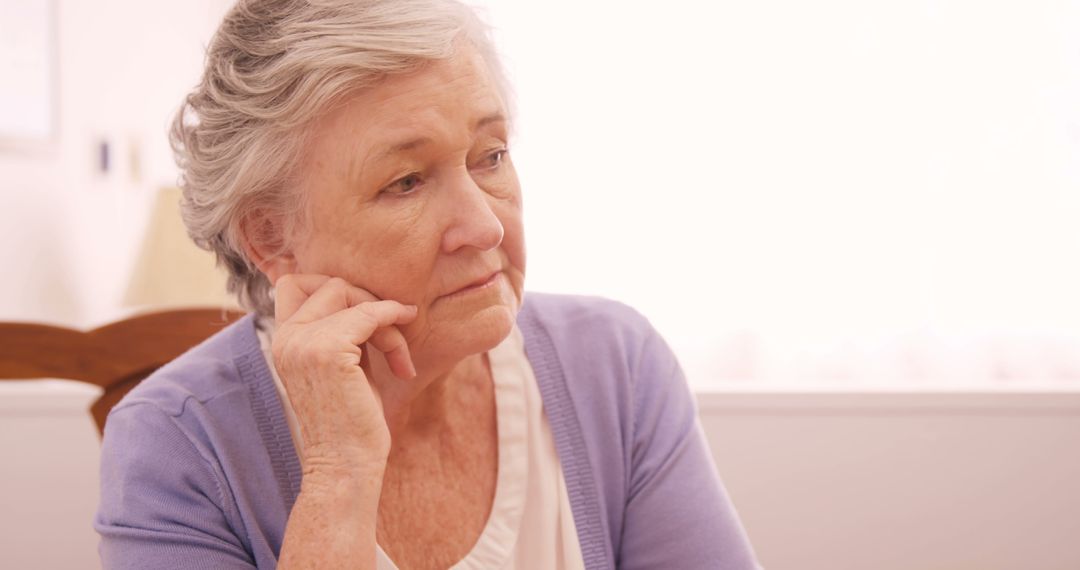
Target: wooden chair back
x,y
116,356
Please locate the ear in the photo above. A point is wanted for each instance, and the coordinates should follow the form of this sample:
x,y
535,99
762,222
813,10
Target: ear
x,y
264,242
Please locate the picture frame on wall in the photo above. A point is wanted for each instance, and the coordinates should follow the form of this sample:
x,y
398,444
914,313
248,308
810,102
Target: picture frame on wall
x,y
28,75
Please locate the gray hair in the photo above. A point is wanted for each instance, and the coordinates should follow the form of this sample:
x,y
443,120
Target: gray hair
x,y
271,68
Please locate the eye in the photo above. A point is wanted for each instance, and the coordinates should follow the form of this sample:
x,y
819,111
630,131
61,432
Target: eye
x,y
493,159
403,185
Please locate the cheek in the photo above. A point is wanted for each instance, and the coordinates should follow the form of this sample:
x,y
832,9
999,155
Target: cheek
x,y
513,234
388,254
395,262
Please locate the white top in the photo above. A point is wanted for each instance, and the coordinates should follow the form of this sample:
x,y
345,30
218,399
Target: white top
x,y
531,524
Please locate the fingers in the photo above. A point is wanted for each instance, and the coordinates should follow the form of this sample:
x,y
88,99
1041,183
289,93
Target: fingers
x,y
374,323
293,292
395,349
358,324
358,316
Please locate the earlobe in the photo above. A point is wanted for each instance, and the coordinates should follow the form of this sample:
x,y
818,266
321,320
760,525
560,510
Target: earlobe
x,y
264,246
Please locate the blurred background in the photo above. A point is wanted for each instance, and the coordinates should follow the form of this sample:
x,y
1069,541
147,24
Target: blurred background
x,y
854,221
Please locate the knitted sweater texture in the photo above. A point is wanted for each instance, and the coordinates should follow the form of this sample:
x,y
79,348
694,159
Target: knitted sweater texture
x,y
199,469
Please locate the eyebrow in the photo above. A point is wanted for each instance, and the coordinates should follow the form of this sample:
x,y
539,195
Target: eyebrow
x,y
495,117
414,143
404,146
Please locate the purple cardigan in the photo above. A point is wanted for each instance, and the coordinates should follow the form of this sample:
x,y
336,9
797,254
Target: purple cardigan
x,y
199,471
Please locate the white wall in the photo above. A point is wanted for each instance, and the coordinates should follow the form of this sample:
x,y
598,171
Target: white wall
x,y
902,480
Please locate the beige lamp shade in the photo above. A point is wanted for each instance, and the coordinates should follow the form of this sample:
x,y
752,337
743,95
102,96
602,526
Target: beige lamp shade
x,y
171,270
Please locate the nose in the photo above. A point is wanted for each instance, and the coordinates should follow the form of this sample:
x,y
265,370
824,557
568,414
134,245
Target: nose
x,y
473,222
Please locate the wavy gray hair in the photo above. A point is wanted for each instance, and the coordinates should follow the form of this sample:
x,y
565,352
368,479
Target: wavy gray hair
x,y
271,68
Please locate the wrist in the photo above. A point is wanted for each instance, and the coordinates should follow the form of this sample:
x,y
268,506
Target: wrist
x,y
352,488
326,464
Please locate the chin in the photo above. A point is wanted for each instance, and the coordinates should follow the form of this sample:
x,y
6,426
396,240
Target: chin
x,y
456,331
485,329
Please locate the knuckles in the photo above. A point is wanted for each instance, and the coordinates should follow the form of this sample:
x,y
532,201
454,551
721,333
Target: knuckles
x,y
307,350
327,346
340,289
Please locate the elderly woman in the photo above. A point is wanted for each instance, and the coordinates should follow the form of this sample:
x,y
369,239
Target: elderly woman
x,y
394,400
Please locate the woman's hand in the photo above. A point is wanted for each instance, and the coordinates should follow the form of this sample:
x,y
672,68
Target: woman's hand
x,y
322,324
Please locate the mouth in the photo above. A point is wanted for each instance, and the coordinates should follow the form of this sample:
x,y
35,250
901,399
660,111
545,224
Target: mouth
x,y
479,284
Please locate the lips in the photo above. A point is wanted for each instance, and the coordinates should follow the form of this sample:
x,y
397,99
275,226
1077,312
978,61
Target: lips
x,y
475,283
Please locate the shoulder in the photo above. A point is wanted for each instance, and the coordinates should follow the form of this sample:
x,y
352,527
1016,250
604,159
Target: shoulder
x,y
164,463
601,368
570,320
204,373
606,353
209,395
200,449
610,342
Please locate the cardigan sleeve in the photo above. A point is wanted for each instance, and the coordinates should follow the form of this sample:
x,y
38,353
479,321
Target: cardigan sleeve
x,y
162,502
678,514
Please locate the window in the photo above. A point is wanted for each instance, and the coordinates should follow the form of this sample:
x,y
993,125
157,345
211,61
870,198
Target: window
x,y
855,193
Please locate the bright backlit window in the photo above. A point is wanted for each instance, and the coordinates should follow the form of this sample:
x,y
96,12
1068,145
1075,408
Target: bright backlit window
x,y
840,192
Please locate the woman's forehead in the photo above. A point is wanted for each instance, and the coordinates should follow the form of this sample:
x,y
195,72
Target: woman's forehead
x,y
445,106
443,98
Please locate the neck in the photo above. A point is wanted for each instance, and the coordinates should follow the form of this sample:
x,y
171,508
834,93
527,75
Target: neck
x,y
424,406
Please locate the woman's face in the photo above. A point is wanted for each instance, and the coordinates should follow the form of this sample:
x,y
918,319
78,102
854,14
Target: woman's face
x,y
413,197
